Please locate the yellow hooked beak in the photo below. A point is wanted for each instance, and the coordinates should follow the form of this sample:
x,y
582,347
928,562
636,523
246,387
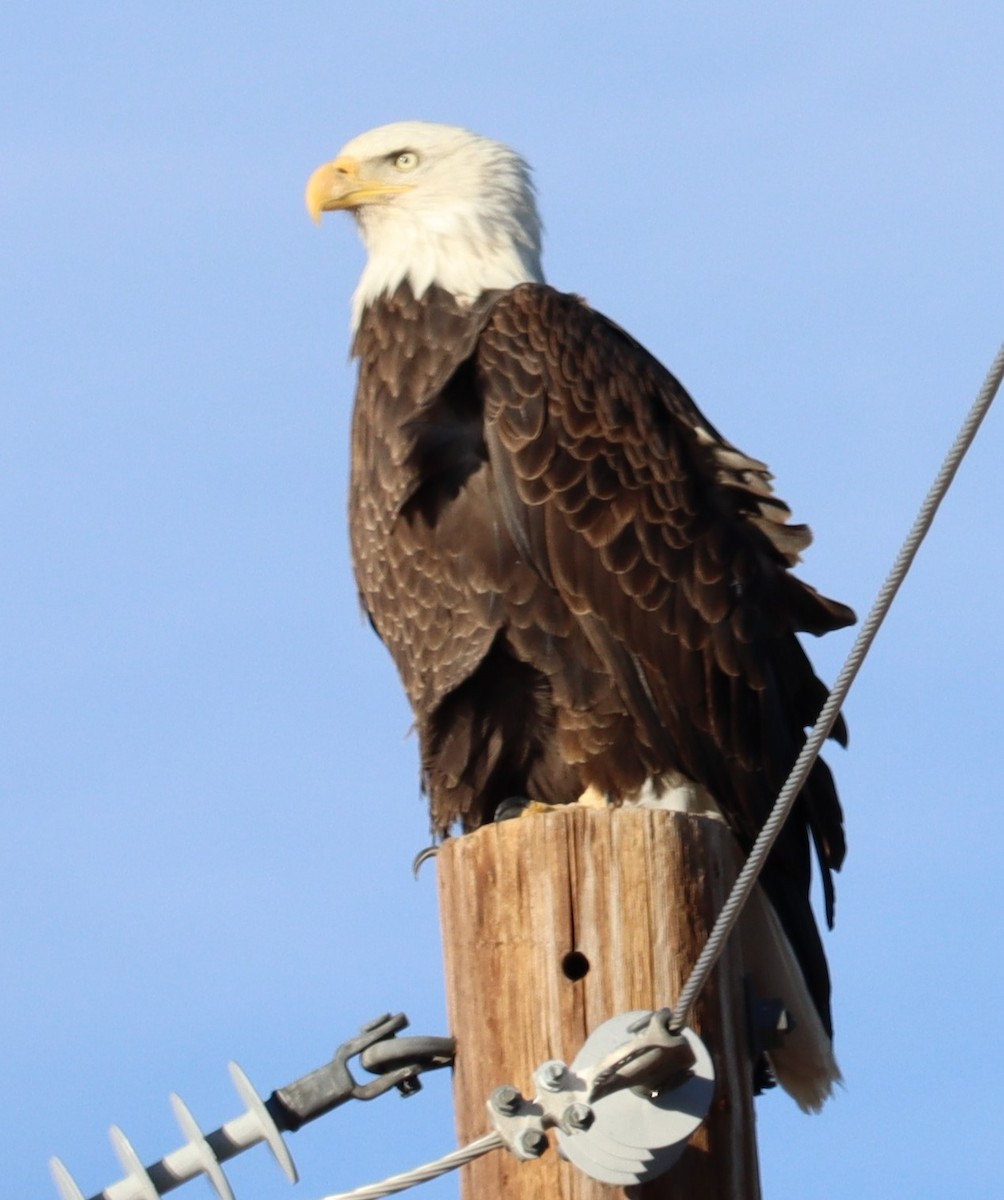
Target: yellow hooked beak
x,y
338,184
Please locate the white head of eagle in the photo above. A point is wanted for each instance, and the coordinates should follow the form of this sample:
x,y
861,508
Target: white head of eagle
x,y
584,586
435,204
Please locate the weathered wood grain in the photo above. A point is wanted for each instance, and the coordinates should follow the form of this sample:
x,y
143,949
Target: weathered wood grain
x,y
635,892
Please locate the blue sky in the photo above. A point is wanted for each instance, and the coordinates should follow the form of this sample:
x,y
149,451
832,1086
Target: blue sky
x,y
209,798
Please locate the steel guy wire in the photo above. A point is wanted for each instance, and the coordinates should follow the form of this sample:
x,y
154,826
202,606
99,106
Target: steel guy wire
x,y
431,1170
744,884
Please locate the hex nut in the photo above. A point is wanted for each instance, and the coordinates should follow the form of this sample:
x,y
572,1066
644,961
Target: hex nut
x,y
577,1117
533,1143
506,1100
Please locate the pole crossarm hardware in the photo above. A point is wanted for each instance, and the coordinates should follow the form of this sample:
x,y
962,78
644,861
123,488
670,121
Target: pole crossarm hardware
x,y
623,1110
397,1063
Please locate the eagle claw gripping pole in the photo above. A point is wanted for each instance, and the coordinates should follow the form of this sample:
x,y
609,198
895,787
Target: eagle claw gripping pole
x,y
397,1061
624,1109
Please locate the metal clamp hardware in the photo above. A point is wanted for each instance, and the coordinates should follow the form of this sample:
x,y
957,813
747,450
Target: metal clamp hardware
x,y
655,1058
399,1062
626,1106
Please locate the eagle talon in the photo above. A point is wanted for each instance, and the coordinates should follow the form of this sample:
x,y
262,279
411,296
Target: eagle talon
x,y
512,807
422,857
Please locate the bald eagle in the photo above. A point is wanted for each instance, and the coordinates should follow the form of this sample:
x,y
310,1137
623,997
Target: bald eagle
x,y
583,585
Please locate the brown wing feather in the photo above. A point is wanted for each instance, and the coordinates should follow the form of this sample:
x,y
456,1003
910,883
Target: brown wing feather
x,y
625,497
486,650
437,626
669,545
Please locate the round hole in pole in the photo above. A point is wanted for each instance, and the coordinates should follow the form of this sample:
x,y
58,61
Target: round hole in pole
x,y
575,966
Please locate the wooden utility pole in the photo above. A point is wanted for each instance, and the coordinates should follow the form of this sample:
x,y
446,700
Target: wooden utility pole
x,y
556,922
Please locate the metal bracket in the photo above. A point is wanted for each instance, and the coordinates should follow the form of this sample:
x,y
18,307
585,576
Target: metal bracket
x,y
398,1060
412,1055
624,1109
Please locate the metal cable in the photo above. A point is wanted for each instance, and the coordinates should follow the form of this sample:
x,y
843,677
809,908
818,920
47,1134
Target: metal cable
x,y
432,1170
747,878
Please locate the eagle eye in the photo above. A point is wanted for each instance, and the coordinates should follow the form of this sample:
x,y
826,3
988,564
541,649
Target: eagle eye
x,y
406,160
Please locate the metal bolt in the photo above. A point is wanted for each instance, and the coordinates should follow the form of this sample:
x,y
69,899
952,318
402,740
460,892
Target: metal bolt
x,y
506,1100
550,1075
533,1142
577,1117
